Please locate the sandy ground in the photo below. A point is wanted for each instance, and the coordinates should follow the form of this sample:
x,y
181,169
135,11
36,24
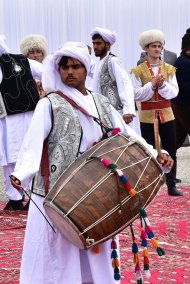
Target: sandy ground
x,y
183,170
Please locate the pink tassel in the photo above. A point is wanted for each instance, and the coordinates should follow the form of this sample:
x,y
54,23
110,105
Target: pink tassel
x,y
105,162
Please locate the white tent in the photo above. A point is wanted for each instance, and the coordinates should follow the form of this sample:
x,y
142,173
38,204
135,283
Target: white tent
x,y
73,20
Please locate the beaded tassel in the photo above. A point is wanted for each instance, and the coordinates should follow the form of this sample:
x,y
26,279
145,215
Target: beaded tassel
x,y
122,177
115,261
138,273
108,133
150,233
145,251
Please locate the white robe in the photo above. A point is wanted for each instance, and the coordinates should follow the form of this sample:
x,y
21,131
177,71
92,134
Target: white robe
x,y
12,131
47,257
124,86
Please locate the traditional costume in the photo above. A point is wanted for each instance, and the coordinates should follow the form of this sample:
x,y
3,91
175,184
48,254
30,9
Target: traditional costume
x,y
156,103
48,258
18,98
110,79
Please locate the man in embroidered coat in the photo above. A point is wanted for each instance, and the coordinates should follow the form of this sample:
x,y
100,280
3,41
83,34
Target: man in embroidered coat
x,y
110,78
18,98
155,84
47,256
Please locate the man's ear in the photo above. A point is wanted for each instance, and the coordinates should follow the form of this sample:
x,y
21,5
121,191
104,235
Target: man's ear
x,y
146,48
108,45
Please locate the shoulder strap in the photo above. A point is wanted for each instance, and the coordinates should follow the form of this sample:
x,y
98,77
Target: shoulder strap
x,y
96,119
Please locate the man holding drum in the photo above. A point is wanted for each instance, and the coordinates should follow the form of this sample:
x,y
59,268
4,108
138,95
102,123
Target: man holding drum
x,y
67,125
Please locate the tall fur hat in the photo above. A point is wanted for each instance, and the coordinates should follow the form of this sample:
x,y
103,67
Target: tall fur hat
x,y
34,41
150,36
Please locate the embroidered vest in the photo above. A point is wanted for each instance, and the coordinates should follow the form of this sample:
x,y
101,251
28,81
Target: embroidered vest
x,y
108,84
65,137
157,104
18,89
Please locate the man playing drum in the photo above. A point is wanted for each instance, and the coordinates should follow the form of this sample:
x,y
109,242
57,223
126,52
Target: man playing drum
x,y
47,256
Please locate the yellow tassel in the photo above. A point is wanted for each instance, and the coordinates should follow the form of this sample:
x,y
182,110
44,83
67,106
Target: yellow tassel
x,y
132,192
136,258
96,249
115,263
145,253
154,243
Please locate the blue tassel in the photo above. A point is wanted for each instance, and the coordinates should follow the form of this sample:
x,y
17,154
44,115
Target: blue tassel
x,y
117,276
124,179
134,248
114,254
144,243
150,235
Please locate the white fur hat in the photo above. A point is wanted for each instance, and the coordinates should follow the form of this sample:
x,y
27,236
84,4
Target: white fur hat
x,y
151,36
34,41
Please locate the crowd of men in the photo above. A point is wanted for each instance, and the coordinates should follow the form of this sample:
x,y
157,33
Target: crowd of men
x,y
47,111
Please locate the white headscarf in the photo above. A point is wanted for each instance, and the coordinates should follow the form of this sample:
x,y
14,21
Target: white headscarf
x,y
3,47
51,79
106,34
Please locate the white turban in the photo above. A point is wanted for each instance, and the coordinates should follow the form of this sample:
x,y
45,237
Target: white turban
x,y
51,79
3,47
106,34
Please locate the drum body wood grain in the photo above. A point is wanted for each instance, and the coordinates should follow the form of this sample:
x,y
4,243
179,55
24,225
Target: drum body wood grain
x,y
85,202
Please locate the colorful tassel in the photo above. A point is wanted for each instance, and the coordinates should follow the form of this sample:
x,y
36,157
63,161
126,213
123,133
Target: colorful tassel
x,y
132,192
96,249
115,261
146,224
138,273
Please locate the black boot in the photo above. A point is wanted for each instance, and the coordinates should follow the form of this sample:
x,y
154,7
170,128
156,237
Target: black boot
x,y
177,180
173,191
14,205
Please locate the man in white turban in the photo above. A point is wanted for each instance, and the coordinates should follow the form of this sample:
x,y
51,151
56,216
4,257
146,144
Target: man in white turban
x,y
68,131
18,98
110,78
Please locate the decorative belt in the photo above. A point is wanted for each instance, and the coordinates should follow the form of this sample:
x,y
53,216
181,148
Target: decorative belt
x,y
155,105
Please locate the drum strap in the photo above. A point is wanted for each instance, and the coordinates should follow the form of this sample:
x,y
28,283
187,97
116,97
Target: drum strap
x,y
45,166
96,119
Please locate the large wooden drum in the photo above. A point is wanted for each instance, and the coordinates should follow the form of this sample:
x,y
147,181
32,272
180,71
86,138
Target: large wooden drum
x,y
88,204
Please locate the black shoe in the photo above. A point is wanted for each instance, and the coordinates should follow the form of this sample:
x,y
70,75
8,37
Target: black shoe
x,y
173,191
177,180
14,205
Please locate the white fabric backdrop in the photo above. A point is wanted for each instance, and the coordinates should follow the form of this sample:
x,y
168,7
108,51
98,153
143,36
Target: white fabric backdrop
x,y
63,20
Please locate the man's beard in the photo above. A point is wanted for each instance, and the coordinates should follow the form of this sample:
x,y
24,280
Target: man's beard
x,y
102,53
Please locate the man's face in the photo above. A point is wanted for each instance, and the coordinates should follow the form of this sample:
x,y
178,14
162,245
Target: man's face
x,y
154,49
100,47
73,74
36,54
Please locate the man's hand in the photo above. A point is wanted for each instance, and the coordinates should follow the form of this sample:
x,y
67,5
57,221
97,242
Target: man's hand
x,y
128,118
16,183
165,160
157,81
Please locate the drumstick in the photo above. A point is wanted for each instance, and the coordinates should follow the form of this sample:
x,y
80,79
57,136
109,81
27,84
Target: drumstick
x,y
157,138
30,198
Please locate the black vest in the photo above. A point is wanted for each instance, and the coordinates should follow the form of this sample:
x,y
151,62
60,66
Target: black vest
x,y
18,88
